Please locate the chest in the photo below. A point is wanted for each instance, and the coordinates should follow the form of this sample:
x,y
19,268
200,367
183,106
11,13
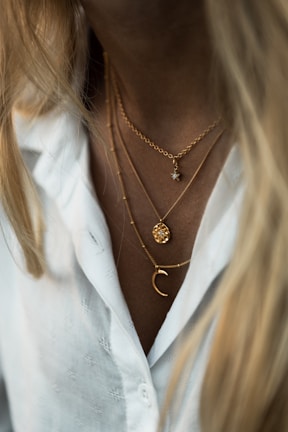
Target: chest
x,y
131,221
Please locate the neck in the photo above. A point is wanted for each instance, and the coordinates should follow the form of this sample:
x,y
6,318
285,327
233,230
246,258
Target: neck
x,y
162,57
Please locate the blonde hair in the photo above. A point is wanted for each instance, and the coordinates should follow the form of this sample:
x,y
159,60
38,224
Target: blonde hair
x,y
42,45
246,381
245,387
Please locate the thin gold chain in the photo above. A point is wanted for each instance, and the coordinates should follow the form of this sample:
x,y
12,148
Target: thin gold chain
x,y
117,165
149,141
171,208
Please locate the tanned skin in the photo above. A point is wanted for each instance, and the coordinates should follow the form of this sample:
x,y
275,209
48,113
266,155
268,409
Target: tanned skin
x,y
162,57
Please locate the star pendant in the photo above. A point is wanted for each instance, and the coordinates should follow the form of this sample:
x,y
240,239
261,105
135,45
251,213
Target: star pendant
x,y
175,176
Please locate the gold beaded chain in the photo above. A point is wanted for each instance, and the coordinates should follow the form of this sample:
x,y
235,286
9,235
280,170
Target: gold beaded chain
x,y
159,269
176,175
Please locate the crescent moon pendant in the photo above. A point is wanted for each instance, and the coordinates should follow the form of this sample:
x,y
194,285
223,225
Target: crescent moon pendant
x,y
157,272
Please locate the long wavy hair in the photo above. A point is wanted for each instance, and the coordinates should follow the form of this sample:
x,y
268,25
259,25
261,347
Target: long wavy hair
x,y
42,61
42,52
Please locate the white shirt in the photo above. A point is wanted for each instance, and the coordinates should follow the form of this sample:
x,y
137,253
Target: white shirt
x,y
70,357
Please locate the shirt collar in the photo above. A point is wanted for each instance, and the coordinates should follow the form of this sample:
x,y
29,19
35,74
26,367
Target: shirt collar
x,y
62,170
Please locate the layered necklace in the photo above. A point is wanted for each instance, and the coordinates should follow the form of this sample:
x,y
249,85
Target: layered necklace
x,y
176,174
161,232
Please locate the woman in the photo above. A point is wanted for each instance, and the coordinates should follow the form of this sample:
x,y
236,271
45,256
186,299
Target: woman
x,y
125,215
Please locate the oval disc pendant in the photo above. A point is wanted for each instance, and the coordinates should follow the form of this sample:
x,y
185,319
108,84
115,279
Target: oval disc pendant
x,y
161,233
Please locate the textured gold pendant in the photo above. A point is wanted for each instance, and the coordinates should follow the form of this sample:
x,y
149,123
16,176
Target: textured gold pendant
x,y
161,233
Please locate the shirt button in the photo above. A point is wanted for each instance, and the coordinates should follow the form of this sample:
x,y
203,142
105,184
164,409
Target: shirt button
x,y
144,393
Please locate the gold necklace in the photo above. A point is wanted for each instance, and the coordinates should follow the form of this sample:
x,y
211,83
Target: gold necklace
x,y
176,174
161,232
159,269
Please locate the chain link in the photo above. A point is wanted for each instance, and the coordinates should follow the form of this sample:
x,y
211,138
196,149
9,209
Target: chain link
x,y
151,143
126,201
